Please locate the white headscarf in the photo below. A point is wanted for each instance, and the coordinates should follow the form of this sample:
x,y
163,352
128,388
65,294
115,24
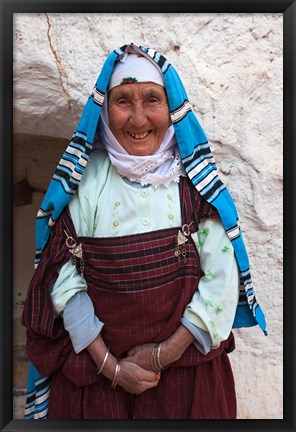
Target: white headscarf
x,y
135,68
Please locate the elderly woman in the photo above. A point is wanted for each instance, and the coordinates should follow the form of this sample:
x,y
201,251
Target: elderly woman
x,y
131,308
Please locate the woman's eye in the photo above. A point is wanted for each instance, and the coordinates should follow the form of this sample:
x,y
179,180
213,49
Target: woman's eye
x,y
153,101
122,102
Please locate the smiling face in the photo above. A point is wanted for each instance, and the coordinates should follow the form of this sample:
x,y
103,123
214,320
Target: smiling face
x,y
138,116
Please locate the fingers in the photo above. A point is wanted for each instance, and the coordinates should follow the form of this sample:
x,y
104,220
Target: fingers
x,y
146,385
135,379
157,376
149,376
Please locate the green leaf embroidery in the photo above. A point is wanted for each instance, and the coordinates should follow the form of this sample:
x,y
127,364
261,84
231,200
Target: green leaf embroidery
x,y
214,330
201,243
209,275
204,232
209,303
218,310
226,249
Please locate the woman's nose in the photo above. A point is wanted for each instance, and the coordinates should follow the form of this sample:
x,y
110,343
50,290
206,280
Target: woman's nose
x,y
138,116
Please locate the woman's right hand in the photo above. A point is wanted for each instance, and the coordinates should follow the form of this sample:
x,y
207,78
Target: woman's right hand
x,y
132,378
136,380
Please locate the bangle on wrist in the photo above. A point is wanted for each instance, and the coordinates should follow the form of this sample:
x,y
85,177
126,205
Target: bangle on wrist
x,y
153,364
158,356
155,358
104,362
116,375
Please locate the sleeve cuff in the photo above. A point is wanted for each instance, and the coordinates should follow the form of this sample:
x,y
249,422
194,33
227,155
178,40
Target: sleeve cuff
x,y
80,321
203,340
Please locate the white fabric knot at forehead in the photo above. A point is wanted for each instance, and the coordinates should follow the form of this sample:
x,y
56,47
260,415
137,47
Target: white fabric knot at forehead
x,y
133,68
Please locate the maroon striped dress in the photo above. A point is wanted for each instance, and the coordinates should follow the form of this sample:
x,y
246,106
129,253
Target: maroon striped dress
x,y
139,288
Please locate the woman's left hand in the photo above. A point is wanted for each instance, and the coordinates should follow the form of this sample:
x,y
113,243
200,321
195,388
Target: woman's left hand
x,y
141,355
171,349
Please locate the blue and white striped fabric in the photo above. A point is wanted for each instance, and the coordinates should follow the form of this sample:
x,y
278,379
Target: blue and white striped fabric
x,y
38,389
197,159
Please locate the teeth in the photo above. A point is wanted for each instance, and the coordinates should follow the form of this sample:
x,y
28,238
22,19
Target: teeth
x,y
138,135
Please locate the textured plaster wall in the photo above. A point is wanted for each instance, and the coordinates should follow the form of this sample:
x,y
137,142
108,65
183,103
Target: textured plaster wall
x,y
231,66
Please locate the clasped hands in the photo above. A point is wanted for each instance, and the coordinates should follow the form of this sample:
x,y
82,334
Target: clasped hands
x,y
138,372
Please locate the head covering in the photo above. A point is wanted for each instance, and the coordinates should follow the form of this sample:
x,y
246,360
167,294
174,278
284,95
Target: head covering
x,y
165,164
196,157
135,68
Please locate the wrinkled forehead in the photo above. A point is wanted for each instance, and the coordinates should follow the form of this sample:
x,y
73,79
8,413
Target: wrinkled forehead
x,y
137,89
134,68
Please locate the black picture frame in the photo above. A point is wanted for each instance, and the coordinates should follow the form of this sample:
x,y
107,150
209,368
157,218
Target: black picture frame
x,y
8,8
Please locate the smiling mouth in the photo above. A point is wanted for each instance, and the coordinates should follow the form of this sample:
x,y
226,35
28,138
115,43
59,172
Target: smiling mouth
x,y
139,135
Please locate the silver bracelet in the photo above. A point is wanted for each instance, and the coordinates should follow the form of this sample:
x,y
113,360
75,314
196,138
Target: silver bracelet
x,y
104,362
155,358
116,375
158,356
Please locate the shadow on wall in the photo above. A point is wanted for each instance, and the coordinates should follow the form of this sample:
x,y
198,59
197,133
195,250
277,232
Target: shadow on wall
x,y
34,161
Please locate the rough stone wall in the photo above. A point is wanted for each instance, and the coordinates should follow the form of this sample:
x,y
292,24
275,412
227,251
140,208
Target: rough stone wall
x,y
231,66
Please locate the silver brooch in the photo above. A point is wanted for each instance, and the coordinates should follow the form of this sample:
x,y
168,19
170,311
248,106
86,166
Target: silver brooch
x,y
76,251
182,239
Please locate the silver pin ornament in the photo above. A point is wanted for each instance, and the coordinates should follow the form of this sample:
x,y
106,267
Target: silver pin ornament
x,y
182,239
76,251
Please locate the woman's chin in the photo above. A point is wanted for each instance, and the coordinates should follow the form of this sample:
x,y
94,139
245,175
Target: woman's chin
x,y
144,148
141,153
